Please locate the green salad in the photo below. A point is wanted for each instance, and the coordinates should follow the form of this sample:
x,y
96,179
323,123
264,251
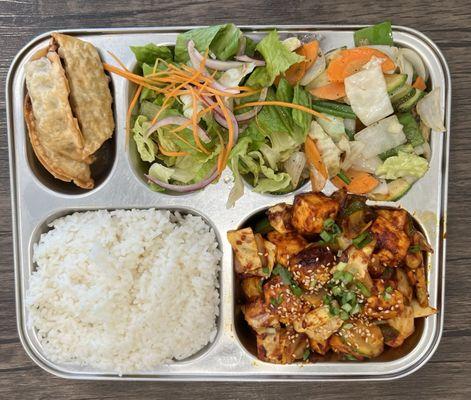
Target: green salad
x,y
280,111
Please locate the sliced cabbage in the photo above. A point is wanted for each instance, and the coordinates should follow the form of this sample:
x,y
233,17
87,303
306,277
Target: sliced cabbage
x,y
430,111
335,127
367,93
233,76
292,43
146,147
161,172
416,61
294,166
330,153
367,164
187,100
403,165
315,70
274,181
352,151
405,67
382,136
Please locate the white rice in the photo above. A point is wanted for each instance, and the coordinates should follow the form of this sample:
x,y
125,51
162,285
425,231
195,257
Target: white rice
x,y
125,291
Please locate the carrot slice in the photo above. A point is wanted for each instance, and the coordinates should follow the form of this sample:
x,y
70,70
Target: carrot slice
x,y
419,84
317,168
350,61
295,73
360,182
331,91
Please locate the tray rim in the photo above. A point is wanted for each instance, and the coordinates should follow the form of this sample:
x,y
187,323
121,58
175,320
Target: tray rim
x,y
429,350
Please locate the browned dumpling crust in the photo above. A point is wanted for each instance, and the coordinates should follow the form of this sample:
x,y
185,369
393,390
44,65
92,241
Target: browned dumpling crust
x,y
56,127
90,95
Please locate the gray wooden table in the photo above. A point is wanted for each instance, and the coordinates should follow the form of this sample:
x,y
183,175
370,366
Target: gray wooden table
x,y
446,376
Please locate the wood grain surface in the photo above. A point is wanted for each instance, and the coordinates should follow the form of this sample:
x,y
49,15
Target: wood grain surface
x,y
446,376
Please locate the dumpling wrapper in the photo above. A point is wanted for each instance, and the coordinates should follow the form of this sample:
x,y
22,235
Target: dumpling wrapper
x,y
60,167
49,93
90,95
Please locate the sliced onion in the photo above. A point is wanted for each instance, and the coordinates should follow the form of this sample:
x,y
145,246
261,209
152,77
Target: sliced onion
x,y
430,111
254,111
210,63
391,51
416,61
294,166
247,59
406,68
176,121
381,189
185,188
315,70
196,58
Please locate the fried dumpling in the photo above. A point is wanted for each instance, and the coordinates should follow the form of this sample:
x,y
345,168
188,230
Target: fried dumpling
x,y
90,95
61,167
55,124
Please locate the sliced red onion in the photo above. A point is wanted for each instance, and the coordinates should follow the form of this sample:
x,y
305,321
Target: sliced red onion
x,y
177,121
254,111
185,188
196,58
245,58
210,63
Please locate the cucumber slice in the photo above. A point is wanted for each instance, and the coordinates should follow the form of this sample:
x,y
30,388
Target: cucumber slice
x,y
405,92
397,188
394,82
407,104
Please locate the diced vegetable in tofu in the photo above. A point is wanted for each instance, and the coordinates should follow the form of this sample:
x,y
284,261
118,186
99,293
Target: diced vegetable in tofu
x,y
318,324
245,250
403,324
420,311
259,316
367,94
287,245
280,217
281,346
252,287
360,340
280,299
392,241
381,136
385,302
311,210
311,266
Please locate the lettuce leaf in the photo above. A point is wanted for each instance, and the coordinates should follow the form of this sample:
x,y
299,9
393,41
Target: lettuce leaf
x,y
274,181
277,58
147,148
403,165
161,172
222,40
149,53
302,119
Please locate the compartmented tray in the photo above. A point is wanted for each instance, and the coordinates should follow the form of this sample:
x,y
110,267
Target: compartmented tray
x,y
37,199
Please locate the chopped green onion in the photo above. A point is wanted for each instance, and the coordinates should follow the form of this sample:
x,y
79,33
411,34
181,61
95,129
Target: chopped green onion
x,y
306,354
337,290
347,307
343,315
337,275
334,310
386,296
344,177
327,237
356,309
336,229
348,297
326,299
297,291
328,223
347,325
353,207
341,266
266,270
389,289
362,240
414,249
350,357
347,277
363,289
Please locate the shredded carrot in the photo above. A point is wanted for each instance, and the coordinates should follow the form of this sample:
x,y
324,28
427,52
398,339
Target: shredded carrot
x,y
194,122
118,61
230,140
172,153
131,107
282,104
221,155
199,115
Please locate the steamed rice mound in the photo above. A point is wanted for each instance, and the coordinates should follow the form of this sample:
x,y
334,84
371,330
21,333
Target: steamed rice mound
x,y
125,291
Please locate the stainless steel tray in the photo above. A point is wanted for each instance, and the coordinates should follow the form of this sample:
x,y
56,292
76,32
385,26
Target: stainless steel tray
x,y
37,199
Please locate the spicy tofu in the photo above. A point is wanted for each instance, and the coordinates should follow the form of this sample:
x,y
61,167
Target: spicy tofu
x,y
391,239
281,346
385,302
287,245
402,327
282,302
280,217
252,287
254,255
310,210
311,266
259,316
318,324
